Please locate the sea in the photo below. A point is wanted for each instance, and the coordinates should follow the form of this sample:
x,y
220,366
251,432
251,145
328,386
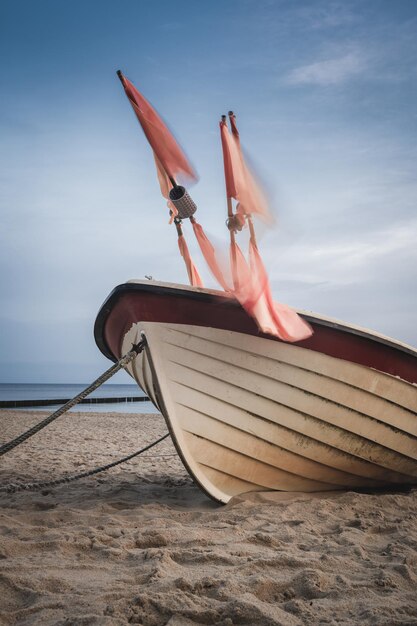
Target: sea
x,y
21,391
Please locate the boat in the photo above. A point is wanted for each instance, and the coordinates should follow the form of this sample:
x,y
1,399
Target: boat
x,y
257,395
249,412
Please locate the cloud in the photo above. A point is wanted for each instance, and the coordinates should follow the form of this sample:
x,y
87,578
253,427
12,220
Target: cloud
x,y
330,72
333,15
367,280
341,259
360,254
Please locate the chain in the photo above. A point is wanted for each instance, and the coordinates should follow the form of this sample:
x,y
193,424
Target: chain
x,y
125,360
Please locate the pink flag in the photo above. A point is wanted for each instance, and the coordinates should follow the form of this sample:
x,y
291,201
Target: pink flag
x,y
193,275
249,287
231,166
251,283
233,126
209,254
273,317
165,185
163,143
240,183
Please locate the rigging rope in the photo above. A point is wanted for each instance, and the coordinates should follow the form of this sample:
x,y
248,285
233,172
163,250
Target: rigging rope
x,y
33,486
125,360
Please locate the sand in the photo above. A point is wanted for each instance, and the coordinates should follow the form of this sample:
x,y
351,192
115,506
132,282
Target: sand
x,y
141,544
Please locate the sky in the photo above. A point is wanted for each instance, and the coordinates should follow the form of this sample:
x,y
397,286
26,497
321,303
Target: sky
x,y
325,94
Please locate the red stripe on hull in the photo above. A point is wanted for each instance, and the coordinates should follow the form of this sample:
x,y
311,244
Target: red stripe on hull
x,y
223,313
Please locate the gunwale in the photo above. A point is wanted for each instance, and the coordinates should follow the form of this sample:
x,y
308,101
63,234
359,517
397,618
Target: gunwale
x,y
137,300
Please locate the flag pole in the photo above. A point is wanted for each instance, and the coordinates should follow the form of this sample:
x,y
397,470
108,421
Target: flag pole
x,y
229,223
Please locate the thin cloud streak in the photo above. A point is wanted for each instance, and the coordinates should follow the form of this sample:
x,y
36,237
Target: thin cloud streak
x,y
328,16
329,72
340,260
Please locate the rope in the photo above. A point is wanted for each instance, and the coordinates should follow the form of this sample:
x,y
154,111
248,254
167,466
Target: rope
x,y
12,488
125,360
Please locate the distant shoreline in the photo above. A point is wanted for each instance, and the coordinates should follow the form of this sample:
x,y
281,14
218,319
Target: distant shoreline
x,y
14,404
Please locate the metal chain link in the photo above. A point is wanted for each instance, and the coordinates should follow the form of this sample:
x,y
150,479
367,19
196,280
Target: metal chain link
x,y
125,360
12,488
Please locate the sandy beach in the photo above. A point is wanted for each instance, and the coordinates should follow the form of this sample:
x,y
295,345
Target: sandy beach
x,y
141,544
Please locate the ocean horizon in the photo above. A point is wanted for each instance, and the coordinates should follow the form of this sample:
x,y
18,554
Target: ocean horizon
x,y
51,391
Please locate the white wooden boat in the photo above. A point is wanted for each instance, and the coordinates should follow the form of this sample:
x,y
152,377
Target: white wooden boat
x,y
248,412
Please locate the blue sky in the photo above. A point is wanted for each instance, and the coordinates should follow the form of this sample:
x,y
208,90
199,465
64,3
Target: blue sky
x,y
325,94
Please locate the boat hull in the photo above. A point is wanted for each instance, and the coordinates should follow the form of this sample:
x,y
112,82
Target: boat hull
x,y
248,413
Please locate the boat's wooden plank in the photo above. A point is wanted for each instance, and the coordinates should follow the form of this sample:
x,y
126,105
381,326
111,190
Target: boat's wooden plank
x,y
197,423
329,382
325,456
364,444
248,469
377,383
230,484
293,397
266,402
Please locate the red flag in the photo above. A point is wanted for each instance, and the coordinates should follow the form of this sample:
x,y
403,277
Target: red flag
x,y
251,283
274,317
165,185
163,143
235,132
193,275
230,169
240,183
209,254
